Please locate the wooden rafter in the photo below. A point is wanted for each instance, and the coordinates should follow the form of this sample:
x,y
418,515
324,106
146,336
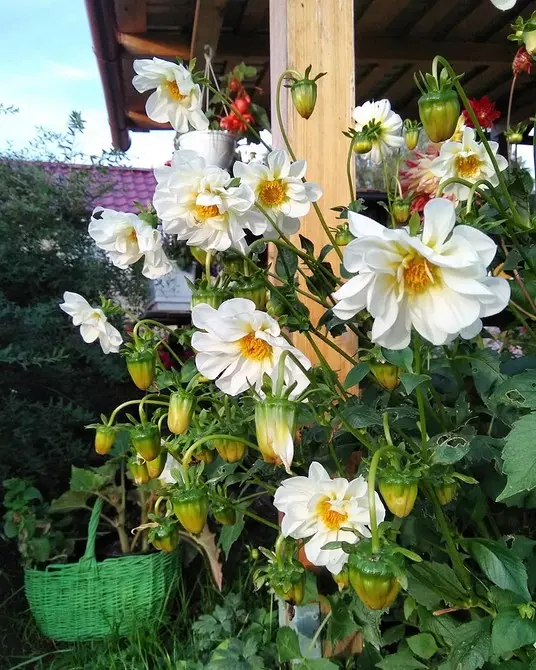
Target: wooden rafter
x,y
131,15
379,14
208,20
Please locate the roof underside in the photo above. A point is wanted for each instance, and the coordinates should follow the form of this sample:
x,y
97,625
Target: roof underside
x,y
394,38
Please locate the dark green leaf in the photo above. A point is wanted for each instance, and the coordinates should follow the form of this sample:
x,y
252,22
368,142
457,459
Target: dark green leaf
x,y
510,632
69,500
307,245
39,548
411,381
356,375
317,664
286,264
519,457
449,448
341,622
393,635
84,479
359,415
485,365
423,645
518,391
368,658
288,646
402,660
31,493
472,645
500,564
442,627
229,534
438,578
402,358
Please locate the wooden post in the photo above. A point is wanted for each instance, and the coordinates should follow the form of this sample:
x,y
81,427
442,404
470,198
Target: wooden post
x,y
318,33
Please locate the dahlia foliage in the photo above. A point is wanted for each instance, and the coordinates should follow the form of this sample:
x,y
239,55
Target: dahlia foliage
x,y
403,476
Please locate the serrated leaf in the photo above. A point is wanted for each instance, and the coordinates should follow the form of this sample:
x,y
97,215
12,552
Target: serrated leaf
x,y
518,391
422,645
519,457
84,479
288,646
286,265
230,534
409,606
359,415
485,366
510,632
69,500
472,645
500,565
402,660
438,578
410,381
449,448
341,623
403,358
356,375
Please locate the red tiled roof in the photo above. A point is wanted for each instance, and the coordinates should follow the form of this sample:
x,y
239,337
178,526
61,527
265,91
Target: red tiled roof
x,y
128,184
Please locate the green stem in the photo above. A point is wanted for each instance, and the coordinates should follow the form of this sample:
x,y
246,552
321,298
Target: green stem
x,y
133,402
166,345
336,348
280,383
143,322
455,558
375,536
419,393
260,519
386,429
349,171
188,454
208,265
317,633
335,459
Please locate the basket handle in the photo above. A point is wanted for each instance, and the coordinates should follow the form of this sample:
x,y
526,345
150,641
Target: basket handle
x,y
89,554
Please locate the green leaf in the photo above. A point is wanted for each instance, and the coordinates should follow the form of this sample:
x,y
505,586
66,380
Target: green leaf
x,y
230,534
69,500
518,391
341,623
500,564
411,381
307,245
472,645
393,635
449,448
519,457
485,365
39,548
288,646
286,264
403,358
356,375
317,664
84,479
409,607
402,660
423,645
438,578
359,415
510,632
443,627
31,493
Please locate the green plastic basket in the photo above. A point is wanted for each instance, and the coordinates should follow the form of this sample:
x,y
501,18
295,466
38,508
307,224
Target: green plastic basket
x,y
91,600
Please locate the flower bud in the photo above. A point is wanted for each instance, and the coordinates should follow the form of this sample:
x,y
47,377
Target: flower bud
x,y
304,93
205,456
209,296
191,509
446,492
157,465
224,513
138,471
288,583
104,439
439,112
253,290
275,308
141,366
181,408
529,38
372,578
342,579
145,439
399,492
386,374
230,450
515,134
400,211
165,536
523,62
275,424
411,133
343,236
361,144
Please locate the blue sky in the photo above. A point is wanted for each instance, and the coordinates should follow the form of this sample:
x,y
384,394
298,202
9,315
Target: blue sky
x,y
48,69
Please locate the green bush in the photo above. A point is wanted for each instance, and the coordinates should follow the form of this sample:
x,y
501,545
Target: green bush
x,y
52,382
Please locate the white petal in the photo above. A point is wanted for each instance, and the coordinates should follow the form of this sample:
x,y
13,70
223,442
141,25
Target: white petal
x,y
439,220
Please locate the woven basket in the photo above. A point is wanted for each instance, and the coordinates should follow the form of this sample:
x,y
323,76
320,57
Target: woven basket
x,y
90,600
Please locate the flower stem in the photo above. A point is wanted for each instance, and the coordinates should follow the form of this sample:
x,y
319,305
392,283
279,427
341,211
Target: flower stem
x,y
351,186
419,393
188,454
375,536
387,430
143,322
509,113
260,519
133,402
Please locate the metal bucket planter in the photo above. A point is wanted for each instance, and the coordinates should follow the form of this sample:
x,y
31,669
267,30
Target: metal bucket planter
x,y
216,146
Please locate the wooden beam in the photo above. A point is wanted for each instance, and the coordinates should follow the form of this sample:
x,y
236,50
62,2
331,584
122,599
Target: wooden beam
x,y
378,15
386,50
430,19
255,18
475,19
365,86
170,45
299,33
143,122
131,15
208,20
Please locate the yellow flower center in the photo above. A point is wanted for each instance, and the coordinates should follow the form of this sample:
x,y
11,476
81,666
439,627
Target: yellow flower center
x,y
204,212
419,275
468,167
272,193
173,91
132,235
254,348
331,518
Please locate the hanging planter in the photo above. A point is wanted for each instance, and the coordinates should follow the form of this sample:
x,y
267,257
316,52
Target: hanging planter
x,y
217,147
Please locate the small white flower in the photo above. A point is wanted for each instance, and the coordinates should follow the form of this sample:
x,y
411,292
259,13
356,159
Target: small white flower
x,y
504,4
467,160
92,321
436,282
198,204
165,475
126,238
241,345
318,507
176,98
279,189
383,126
275,423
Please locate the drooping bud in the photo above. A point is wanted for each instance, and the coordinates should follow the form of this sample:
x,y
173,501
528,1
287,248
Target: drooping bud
x,y
275,424
104,439
181,407
386,374
165,536
145,439
304,93
515,134
210,296
361,143
522,62
157,465
372,577
446,492
343,236
342,579
191,508
399,491
224,513
439,107
230,450
141,366
289,583
411,133
205,456
400,210
251,289
138,471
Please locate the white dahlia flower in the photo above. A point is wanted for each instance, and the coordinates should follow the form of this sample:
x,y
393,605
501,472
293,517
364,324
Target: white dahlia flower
x,y
92,321
383,126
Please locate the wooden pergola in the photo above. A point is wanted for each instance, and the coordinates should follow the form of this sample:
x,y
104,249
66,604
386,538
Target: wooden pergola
x,y
369,48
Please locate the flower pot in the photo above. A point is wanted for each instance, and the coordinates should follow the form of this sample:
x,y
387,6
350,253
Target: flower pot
x,y
217,147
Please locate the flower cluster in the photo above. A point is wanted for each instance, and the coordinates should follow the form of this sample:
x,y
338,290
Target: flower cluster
x,y
92,321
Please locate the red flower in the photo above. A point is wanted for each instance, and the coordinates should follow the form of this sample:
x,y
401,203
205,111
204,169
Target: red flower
x,y
485,111
523,62
165,357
